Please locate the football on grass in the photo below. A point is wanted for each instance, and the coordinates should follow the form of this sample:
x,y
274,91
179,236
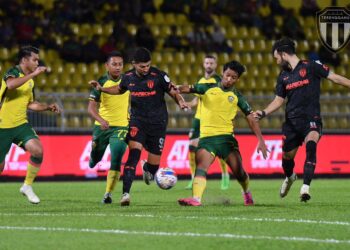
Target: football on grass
x,y
166,178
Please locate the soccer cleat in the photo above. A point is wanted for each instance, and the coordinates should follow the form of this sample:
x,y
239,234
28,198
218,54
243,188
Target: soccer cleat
x,y
107,198
189,202
27,190
304,193
225,182
125,200
248,198
287,183
189,185
146,175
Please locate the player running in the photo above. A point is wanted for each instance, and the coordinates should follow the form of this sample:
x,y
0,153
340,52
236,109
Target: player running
x,y
220,103
299,82
16,97
111,122
210,77
149,116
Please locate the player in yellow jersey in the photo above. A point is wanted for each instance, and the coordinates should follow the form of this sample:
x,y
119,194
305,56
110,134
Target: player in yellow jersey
x,y
220,103
210,77
16,97
111,122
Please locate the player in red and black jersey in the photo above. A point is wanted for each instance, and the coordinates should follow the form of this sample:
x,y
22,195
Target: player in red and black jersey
x,y
148,118
299,83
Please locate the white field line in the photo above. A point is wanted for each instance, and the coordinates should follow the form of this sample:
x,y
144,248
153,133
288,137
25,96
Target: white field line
x,y
278,220
176,234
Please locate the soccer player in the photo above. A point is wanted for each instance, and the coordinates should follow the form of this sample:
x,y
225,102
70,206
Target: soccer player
x,y
16,96
210,77
111,122
149,116
220,103
299,82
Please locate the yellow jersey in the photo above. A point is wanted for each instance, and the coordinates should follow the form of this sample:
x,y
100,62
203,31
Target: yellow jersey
x,y
14,102
219,108
113,108
215,79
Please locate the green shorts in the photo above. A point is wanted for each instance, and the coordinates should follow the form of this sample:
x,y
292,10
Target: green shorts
x,y
19,135
220,145
194,132
114,136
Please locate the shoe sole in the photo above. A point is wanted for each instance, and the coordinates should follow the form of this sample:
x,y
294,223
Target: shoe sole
x,y
305,197
184,203
125,203
28,199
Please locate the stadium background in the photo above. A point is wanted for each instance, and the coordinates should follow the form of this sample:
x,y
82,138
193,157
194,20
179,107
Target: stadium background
x,y
74,35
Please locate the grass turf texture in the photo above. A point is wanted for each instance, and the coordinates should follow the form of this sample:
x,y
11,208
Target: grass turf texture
x,y
71,216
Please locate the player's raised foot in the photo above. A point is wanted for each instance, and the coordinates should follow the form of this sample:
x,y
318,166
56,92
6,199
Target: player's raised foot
x,y
248,198
125,200
225,182
304,193
146,175
189,185
107,198
189,202
287,183
27,190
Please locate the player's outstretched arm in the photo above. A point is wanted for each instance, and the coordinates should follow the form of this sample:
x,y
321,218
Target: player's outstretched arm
x,y
184,89
37,106
338,79
178,98
15,82
92,110
114,90
254,126
272,107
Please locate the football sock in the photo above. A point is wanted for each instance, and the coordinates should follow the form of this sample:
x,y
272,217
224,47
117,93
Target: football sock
x,y
288,166
128,178
199,184
32,171
225,176
112,179
245,183
192,160
310,162
151,168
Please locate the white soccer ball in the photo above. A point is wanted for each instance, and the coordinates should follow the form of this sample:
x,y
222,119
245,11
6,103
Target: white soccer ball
x,y
165,178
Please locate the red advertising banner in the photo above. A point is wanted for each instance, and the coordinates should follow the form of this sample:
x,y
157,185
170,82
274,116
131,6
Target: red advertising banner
x,y
69,155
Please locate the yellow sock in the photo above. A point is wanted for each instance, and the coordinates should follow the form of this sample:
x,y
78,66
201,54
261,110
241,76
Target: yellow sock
x,y
112,178
32,172
199,185
223,166
192,158
245,184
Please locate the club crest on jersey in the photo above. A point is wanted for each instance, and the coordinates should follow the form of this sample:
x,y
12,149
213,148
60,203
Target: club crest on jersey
x,y
150,84
333,25
302,72
133,131
230,99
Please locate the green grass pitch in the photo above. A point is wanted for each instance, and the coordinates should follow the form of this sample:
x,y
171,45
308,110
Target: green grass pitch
x,y
71,216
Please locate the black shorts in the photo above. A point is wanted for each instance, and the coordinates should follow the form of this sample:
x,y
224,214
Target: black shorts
x,y
151,136
295,130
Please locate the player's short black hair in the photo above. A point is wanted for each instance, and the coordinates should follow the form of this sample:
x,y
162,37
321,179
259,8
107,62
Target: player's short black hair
x,y
235,66
210,56
285,44
26,51
141,55
114,54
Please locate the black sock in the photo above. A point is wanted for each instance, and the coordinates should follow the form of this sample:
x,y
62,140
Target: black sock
x,y
151,168
128,178
310,162
288,166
